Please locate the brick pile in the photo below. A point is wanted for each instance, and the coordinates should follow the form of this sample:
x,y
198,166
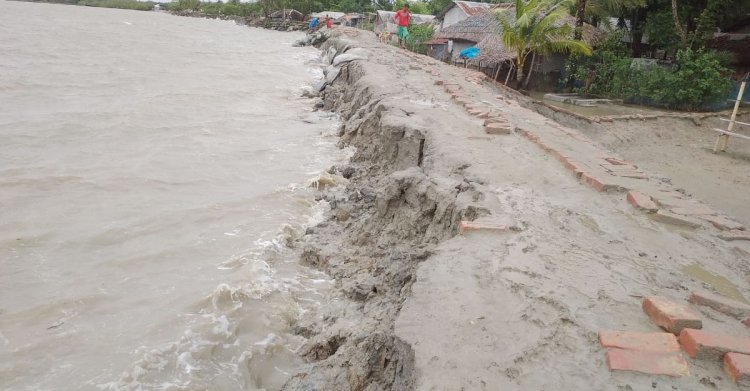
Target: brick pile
x,y
659,353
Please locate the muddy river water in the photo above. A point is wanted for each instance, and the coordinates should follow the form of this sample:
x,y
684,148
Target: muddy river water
x,y
151,168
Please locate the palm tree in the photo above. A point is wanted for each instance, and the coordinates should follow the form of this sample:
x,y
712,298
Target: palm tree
x,y
538,26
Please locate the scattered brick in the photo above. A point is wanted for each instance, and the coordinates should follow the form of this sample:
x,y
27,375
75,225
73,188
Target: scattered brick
x,y
670,364
722,304
645,342
438,82
617,161
631,174
671,315
641,201
724,223
702,344
694,211
619,168
737,367
475,111
497,128
735,234
466,226
675,219
597,183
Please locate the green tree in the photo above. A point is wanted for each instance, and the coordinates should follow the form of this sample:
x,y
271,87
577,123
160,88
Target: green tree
x,y
538,26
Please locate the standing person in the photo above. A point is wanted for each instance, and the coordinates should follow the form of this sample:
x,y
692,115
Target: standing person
x,y
329,23
402,18
313,25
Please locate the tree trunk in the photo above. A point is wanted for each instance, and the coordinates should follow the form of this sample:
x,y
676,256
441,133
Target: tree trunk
x,y
677,26
531,70
580,16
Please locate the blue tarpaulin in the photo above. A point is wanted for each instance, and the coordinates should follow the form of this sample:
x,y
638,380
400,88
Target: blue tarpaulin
x,y
471,52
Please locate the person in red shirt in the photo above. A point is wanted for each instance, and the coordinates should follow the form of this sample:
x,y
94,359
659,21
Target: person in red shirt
x,y
329,23
402,18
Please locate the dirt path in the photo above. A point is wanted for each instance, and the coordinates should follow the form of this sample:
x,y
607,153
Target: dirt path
x,y
514,310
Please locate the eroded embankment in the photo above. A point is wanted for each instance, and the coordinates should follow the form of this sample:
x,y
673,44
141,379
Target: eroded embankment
x,y
388,218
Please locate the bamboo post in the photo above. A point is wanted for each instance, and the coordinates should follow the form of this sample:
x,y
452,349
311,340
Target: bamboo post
x,y
722,141
510,70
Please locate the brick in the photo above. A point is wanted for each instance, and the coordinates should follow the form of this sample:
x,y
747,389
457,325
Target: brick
x,y
646,342
675,219
641,201
438,82
671,315
497,128
722,304
702,211
466,226
495,119
618,162
631,174
671,202
619,168
737,366
723,223
670,364
475,111
735,234
702,344
596,183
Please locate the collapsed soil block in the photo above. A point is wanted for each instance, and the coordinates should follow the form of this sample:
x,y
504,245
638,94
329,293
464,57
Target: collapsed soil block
x,y
722,304
707,345
737,366
672,218
466,226
645,342
735,234
723,223
671,315
654,363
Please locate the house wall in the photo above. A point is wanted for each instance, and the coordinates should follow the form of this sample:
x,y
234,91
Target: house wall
x,y
553,63
438,52
455,15
458,46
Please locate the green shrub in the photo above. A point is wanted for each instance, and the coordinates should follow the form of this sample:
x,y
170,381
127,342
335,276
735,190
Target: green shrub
x,y
417,35
697,80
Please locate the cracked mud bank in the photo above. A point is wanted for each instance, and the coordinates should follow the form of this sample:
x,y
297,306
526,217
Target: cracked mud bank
x,y
420,307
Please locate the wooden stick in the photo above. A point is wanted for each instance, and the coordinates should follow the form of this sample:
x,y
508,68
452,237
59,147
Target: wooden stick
x,y
722,141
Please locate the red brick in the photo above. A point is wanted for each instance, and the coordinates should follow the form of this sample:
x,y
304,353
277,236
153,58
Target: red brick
x,y
497,128
618,162
596,183
647,342
631,174
675,219
707,345
670,364
619,168
466,226
641,201
723,223
722,304
694,211
737,367
671,315
735,234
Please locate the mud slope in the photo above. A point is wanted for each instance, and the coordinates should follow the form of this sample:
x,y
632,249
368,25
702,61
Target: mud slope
x,y
420,307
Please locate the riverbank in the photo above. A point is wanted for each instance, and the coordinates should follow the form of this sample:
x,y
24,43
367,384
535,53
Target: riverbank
x,y
420,306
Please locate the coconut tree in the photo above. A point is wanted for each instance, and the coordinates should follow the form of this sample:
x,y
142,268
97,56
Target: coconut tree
x,y
538,26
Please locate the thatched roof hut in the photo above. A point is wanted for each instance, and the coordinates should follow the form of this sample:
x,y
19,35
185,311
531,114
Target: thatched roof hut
x,y
288,14
483,30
